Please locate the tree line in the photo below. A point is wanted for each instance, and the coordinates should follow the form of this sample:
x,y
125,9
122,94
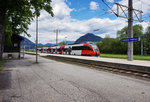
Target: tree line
x,y
115,46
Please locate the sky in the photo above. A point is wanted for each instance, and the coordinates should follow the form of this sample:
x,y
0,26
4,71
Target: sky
x,y
75,18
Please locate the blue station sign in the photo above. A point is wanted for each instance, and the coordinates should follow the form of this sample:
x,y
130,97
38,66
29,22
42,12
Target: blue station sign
x,y
130,39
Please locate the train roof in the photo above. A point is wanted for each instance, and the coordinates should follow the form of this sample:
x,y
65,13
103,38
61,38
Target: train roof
x,y
69,45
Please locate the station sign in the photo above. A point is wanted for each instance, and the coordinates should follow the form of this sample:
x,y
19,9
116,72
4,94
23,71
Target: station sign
x,y
130,39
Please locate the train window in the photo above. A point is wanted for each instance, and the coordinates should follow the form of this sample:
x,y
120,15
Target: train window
x,y
73,48
86,48
89,48
81,48
95,47
76,47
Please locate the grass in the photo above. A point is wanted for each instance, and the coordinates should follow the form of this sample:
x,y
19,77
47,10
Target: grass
x,y
28,50
121,56
1,64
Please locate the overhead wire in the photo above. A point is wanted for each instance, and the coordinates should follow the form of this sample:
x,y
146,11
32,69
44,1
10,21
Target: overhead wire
x,y
109,8
117,15
106,12
102,14
106,27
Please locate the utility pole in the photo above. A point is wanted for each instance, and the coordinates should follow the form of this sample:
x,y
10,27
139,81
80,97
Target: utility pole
x,y
66,40
36,38
128,12
141,46
130,30
56,39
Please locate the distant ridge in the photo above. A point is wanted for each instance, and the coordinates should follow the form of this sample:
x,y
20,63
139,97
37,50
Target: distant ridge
x,y
88,37
30,45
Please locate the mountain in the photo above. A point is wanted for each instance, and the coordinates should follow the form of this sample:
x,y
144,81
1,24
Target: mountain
x,y
40,44
88,37
28,44
48,44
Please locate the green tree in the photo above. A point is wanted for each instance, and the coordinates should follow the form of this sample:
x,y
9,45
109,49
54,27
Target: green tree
x,y
147,41
114,45
105,45
99,45
62,43
123,33
16,15
118,47
137,32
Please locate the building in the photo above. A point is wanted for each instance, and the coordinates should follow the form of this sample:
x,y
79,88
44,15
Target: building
x,y
13,51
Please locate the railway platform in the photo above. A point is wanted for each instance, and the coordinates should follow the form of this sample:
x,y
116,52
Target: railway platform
x,y
137,65
111,60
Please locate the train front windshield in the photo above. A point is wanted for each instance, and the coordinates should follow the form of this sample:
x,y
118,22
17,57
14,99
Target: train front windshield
x,y
95,47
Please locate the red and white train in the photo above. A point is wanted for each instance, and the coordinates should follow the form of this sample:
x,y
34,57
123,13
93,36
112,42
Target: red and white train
x,y
75,49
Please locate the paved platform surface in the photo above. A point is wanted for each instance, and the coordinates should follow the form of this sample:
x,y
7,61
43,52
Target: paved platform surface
x,y
51,81
111,60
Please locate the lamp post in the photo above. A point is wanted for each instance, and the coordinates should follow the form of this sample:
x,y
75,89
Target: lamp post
x,y
36,38
56,39
57,31
66,40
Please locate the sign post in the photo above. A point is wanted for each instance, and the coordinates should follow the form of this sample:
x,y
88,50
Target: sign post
x,y
130,39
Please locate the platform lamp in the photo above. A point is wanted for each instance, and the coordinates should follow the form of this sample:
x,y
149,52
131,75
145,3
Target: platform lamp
x,y
36,38
66,40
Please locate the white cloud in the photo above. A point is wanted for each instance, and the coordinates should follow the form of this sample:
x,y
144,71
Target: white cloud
x,y
60,9
145,25
72,28
111,1
94,5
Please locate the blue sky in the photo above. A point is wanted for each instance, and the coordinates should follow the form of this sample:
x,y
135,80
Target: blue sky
x,y
74,18
82,9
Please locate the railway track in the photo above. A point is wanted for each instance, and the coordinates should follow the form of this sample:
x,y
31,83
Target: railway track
x,y
125,71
